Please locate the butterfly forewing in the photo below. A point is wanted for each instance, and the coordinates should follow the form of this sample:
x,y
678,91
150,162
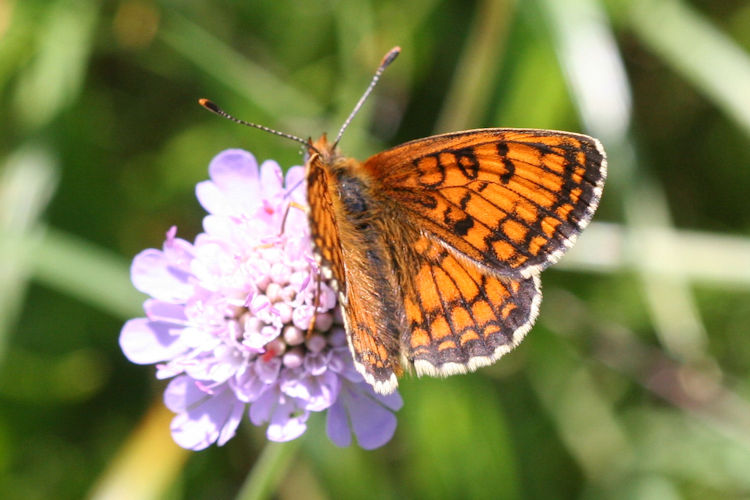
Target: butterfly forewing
x,y
323,223
510,200
347,242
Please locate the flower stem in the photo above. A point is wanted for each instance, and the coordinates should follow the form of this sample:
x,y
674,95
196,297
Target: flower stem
x,y
268,470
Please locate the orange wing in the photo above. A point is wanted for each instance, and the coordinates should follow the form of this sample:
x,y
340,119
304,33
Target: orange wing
x,y
323,223
360,272
373,321
510,200
459,317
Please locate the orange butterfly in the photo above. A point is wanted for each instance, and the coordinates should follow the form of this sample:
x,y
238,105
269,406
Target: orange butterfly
x,y
436,246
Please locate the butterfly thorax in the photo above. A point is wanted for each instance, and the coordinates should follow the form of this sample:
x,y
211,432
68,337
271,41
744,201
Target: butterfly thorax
x,y
345,181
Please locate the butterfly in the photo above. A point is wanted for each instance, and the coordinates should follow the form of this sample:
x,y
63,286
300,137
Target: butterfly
x,y
435,247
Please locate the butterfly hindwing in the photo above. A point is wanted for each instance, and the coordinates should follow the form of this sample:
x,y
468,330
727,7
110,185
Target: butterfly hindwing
x,y
372,330
460,317
510,200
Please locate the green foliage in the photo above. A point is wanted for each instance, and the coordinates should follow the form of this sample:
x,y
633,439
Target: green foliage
x,y
634,383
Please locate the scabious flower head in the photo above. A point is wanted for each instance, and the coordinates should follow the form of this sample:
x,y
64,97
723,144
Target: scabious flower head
x,y
228,316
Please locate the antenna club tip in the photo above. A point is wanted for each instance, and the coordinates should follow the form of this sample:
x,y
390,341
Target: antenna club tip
x,y
209,105
390,56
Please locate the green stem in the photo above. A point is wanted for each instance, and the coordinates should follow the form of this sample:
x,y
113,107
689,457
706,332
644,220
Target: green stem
x,y
268,470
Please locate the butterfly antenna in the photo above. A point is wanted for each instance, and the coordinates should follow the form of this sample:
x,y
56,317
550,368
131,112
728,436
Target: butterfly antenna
x,y
214,108
387,60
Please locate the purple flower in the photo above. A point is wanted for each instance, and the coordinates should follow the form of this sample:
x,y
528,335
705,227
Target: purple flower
x,y
228,317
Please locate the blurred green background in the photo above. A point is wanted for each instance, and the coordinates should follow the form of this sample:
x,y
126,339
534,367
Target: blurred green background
x,y
635,382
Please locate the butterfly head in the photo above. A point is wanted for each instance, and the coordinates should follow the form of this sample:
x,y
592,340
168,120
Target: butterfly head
x,y
321,150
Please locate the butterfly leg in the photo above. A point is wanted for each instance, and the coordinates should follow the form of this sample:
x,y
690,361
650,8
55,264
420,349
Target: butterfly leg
x,y
316,304
292,204
283,224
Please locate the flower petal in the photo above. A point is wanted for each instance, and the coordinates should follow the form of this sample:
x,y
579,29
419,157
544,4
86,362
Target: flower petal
x,y
287,422
153,273
213,419
182,393
372,423
212,198
157,310
248,387
323,392
337,424
229,429
220,227
145,342
392,401
271,178
232,167
295,183
261,409
234,187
